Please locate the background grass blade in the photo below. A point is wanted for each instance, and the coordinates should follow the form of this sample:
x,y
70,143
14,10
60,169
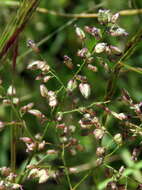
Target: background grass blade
x,y
17,25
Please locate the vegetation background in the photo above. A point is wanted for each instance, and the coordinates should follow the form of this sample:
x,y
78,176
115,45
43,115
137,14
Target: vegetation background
x,y
57,38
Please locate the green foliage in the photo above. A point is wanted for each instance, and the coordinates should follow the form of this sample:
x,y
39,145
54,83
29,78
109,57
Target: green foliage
x,y
70,94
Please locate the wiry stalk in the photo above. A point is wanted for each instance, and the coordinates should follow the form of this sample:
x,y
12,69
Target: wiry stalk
x,y
17,25
126,12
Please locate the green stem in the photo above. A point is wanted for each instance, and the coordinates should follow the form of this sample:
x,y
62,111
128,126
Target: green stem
x,y
66,169
128,12
109,155
13,142
57,78
53,73
45,130
13,148
23,174
22,121
80,68
80,108
81,181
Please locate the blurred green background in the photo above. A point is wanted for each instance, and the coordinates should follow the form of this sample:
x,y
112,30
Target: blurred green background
x,y
41,27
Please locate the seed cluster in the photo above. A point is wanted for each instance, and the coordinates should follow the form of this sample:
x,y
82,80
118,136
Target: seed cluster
x,y
70,113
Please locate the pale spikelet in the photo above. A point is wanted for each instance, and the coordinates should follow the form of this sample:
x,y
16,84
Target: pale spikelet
x,y
52,99
100,47
92,68
36,113
115,17
41,145
11,91
43,91
59,116
104,16
33,46
31,147
16,186
96,32
83,53
100,151
43,176
51,151
80,33
6,102
120,116
118,32
115,50
27,107
46,78
68,62
33,173
99,133
2,125
41,65
72,85
118,138
26,139
35,65
85,89
15,100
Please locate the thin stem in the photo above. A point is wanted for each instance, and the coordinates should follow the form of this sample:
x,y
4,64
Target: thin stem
x,y
87,15
22,121
126,12
13,138
80,108
42,160
53,73
45,130
23,171
131,68
81,181
66,169
57,78
80,68
13,148
112,152
126,182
